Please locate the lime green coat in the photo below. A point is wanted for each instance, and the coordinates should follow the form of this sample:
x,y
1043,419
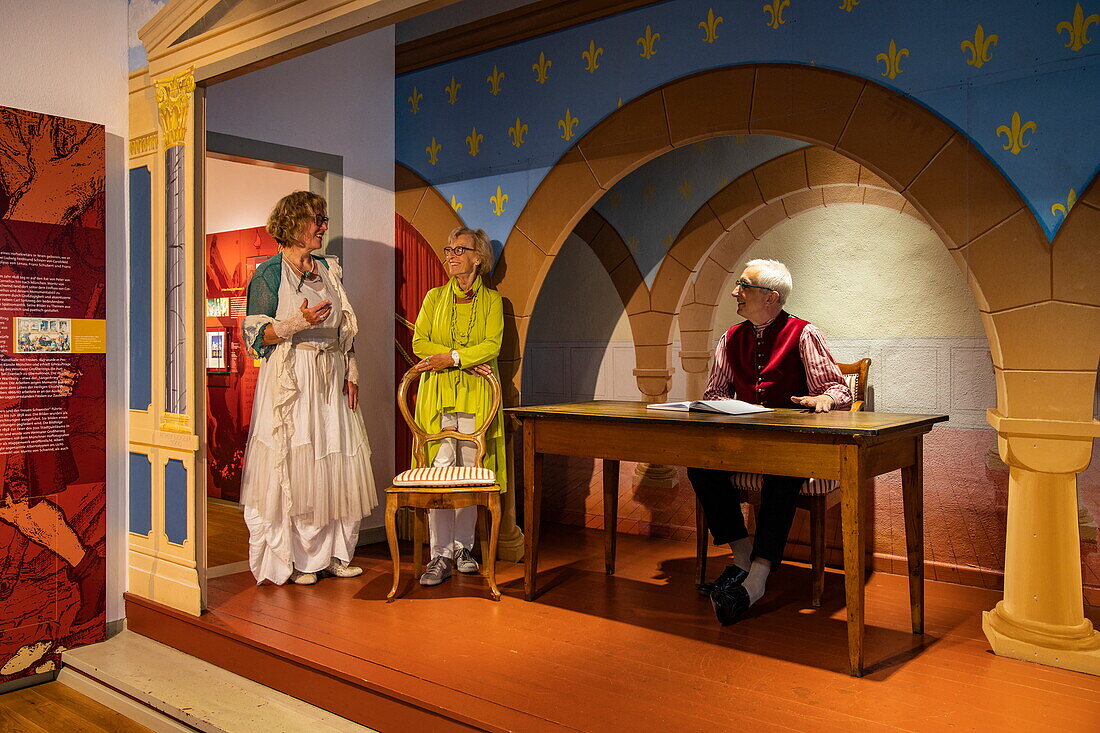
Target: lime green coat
x,y
454,390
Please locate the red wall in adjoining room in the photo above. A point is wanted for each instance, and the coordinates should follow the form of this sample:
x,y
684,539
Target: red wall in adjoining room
x,y
231,258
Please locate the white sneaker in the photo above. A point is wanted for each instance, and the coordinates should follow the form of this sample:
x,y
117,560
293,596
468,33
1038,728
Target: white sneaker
x,y
465,562
340,569
302,578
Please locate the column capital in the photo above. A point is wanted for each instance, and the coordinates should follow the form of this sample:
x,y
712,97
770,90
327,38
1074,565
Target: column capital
x,y
1045,446
174,103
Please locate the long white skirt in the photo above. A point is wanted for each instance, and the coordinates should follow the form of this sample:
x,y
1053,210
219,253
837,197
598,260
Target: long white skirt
x,y
331,484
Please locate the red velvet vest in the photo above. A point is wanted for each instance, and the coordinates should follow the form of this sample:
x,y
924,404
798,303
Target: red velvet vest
x,y
767,369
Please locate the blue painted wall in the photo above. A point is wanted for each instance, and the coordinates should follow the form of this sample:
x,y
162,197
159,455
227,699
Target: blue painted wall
x,y
1037,67
141,494
175,501
141,337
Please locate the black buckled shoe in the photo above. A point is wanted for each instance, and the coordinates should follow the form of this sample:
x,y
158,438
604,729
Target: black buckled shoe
x,y
730,604
730,577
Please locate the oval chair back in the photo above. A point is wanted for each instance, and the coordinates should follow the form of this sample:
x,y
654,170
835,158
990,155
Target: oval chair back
x,y
422,438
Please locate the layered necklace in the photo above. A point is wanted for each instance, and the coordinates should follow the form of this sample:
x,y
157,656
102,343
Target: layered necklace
x,y
461,337
303,275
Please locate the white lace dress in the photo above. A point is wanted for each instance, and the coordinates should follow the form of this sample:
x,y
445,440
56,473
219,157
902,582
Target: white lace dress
x,y
307,479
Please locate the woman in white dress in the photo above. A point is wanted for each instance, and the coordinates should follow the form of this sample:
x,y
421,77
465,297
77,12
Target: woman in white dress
x,y
307,480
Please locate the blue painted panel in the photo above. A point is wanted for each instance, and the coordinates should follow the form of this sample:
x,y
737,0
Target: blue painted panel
x,y
141,494
175,501
1031,68
141,340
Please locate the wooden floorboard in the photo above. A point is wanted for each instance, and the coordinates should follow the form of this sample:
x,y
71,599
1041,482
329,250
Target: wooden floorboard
x,y
226,533
54,707
642,651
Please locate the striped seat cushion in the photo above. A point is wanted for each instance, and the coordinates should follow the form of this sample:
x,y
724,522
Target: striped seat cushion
x,y
446,476
810,487
852,380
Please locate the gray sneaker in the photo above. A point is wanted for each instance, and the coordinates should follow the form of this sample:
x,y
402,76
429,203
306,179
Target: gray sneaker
x,y
465,561
438,570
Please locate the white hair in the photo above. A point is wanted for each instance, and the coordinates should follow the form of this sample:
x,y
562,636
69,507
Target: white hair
x,y
772,274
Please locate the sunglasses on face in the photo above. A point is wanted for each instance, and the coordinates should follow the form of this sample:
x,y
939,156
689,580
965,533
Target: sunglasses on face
x,y
456,251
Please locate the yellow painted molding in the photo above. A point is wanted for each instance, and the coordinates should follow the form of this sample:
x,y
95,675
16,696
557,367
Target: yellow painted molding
x,y
143,145
174,95
159,579
171,422
1066,429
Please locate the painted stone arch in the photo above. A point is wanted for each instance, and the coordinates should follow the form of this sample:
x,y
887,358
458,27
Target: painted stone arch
x,y
978,215
420,204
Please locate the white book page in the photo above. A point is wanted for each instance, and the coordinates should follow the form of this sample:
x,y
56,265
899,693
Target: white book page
x,y
729,407
680,406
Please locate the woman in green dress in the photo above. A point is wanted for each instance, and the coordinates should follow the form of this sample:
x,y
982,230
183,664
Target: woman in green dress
x,y
457,337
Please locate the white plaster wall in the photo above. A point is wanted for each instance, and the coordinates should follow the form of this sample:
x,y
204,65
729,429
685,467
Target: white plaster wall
x,y
240,195
878,283
861,270
68,58
340,100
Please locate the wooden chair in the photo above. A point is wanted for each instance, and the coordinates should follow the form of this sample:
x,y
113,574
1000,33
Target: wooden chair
x,y
424,487
818,496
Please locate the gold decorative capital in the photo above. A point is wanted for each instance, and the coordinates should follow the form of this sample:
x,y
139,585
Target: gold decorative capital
x,y
174,102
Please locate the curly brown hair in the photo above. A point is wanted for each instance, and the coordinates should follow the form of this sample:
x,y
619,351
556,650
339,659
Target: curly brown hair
x,y
293,212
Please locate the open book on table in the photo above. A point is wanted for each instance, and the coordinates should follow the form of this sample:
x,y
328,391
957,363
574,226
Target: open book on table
x,y
729,407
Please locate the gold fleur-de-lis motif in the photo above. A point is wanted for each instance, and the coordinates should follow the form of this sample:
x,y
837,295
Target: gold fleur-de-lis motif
x,y
1078,29
710,26
633,243
433,152
649,193
668,240
455,203
775,10
1015,134
517,131
647,42
979,47
542,68
616,197
414,100
686,188
848,5
452,91
620,102
566,125
892,58
1064,208
498,201
494,81
592,57
474,141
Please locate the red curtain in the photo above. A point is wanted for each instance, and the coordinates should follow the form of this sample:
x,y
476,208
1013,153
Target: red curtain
x,y
417,271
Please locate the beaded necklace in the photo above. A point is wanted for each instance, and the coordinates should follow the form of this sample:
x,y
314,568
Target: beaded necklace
x,y
462,338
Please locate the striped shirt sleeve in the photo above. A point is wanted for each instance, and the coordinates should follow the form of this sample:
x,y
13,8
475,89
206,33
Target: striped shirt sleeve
x,y
720,374
822,374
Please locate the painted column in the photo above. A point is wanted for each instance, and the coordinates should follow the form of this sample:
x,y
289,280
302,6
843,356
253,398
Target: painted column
x,y
174,100
1041,618
653,384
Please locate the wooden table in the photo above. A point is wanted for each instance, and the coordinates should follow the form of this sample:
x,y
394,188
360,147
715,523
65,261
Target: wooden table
x,y
850,447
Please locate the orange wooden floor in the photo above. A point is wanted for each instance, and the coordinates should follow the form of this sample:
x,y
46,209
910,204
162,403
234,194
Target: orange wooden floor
x,y
641,651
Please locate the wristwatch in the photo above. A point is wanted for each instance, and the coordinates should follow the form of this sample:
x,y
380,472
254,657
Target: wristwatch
x,y
454,357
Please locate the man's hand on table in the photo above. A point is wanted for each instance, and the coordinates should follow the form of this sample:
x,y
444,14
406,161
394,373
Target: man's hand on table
x,y
820,403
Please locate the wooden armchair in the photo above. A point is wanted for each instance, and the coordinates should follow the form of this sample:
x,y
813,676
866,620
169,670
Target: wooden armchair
x,y
818,496
425,487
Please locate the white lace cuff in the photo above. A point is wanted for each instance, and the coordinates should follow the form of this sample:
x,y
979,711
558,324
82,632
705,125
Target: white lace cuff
x,y
353,368
289,327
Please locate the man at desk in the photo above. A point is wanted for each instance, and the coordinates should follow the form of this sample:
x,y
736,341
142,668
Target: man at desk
x,y
772,359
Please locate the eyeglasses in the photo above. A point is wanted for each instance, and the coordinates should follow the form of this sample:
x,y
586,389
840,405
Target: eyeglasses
x,y
742,284
321,219
456,251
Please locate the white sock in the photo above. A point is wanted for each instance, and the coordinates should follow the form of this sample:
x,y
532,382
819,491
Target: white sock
x,y
742,552
758,576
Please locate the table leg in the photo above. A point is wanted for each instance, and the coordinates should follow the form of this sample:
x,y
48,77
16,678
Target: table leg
x,y
852,503
610,512
532,508
912,491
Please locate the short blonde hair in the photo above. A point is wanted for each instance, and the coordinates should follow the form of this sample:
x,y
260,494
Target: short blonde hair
x,y
292,214
482,247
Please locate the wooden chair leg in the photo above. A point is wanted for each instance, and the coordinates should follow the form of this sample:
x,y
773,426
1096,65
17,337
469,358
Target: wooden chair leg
x,y
494,535
817,547
391,539
700,544
420,532
482,534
